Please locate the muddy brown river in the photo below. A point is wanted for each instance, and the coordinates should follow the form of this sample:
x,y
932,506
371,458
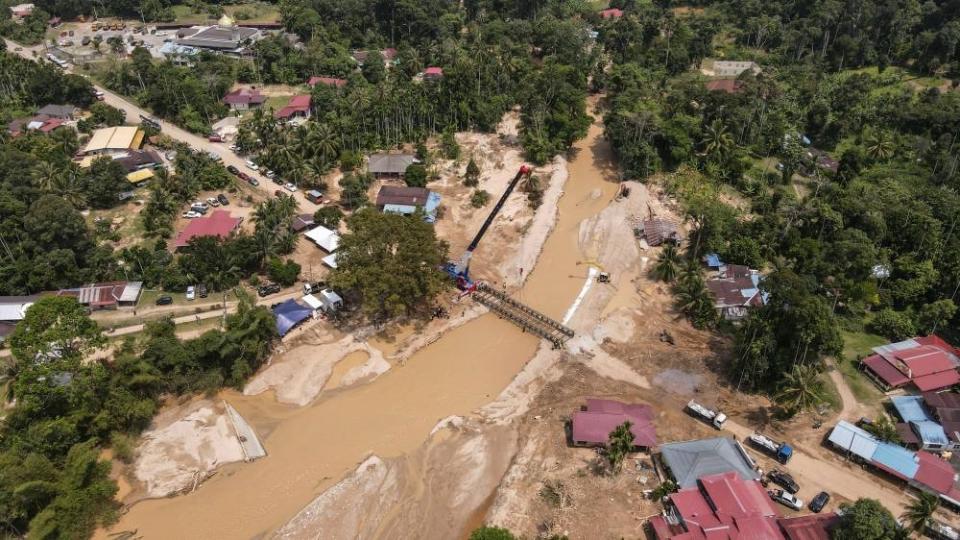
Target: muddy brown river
x,y
311,448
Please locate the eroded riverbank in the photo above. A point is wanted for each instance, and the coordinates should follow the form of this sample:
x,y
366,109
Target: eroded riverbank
x,y
311,448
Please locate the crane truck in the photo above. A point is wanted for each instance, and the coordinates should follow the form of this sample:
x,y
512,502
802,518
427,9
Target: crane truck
x,y
714,418
460,270
779,450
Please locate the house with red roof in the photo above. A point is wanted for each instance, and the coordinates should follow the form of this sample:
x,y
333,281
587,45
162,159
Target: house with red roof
x,y
243,99
592,424
612,13
220,223
727,506
297,109
730,86
927,364
433,73
327,81
40,122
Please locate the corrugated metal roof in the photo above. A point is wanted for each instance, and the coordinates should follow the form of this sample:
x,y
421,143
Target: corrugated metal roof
x,y
896,458
930,432
140,176
910,408
691,460
853,439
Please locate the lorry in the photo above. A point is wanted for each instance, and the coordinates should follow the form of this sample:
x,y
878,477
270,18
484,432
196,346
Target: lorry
x,y
779,450
714,418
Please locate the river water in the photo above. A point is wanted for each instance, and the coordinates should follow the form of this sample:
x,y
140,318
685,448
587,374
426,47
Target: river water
x,y
311,448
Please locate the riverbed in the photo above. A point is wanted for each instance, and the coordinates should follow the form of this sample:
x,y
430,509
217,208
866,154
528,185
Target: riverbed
x,y
311,448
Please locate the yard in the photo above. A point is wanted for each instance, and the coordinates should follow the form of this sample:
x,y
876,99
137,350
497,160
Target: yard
x,y
857,345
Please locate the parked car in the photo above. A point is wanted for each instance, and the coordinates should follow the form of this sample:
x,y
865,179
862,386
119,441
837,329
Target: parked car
x,y
191,214
233,148
215,138
233,170
223,199
164,300
268,289
202,290
198,205
212,201
786,499
253,181
783,480
215,156
290,187
314,196
191,293
819,501
270,174
252,166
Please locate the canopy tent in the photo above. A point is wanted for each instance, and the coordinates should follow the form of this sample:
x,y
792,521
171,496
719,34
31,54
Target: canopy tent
x,y
289,314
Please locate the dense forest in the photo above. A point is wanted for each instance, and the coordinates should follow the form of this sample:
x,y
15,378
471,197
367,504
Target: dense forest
x,y
870,245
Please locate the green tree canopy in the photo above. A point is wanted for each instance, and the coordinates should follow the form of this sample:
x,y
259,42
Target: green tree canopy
x,y
867,519
391,262
56,325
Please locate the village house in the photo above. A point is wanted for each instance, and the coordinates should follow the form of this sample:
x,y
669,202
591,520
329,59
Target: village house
x,y
612,13
21,11
925,364
327,81
921,470
326,240
302,222
13,309
39,122
220,223
689,461
656,231
67,113
243,99
930,421
592,424
114,141
109,295
407,200
728,68
730,86
433,73
735,291
724,505
389,165
296,110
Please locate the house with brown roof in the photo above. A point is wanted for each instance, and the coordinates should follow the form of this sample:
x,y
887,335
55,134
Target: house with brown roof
x,y
327,81
926,364
243,99
735,291
107,295
658,230
220,223
297,109
730,86
389,165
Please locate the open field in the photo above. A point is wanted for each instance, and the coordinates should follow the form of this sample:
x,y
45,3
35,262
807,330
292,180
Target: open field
x,y
249,12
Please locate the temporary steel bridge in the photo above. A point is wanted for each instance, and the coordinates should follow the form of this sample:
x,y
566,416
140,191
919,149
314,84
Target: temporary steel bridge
x,y
527,318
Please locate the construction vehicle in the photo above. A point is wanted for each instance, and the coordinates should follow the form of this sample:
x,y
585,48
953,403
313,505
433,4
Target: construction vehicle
x,y
460,270
714,418
779,450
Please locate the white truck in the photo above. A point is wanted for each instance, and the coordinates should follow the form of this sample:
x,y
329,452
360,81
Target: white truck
x,y
714,418
780,450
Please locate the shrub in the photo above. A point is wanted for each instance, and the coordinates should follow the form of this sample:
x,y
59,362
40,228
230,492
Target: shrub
x,y
123,446
328,216
415,175
283,272
472,176
896,325
479,199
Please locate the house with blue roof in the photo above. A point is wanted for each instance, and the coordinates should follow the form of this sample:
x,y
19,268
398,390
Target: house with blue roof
x,y
921,470
406,201
736,290
921,426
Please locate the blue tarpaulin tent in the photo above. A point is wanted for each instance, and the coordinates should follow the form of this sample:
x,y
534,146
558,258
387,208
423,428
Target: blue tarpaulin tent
x,y
289,314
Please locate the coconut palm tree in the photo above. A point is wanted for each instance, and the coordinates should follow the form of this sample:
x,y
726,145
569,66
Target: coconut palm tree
x,y
919,513
68,187
322,141
879,146
717,140
44,175
667,266
619,445
801,389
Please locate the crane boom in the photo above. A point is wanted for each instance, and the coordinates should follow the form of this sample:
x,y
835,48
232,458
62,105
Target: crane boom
x,y
464,262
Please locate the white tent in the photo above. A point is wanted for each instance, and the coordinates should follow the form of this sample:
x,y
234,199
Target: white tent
x,y
330,260
312,301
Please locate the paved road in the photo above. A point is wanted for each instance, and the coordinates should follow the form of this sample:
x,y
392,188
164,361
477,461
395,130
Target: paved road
x,y
133,113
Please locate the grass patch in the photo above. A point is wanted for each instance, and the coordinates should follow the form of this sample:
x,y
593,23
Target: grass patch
x,y
857,345
252,12
831,396
276,103
149,297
